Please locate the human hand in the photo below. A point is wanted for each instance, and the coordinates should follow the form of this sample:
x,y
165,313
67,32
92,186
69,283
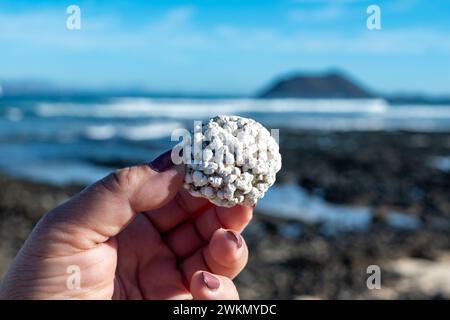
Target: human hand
x,y
133,235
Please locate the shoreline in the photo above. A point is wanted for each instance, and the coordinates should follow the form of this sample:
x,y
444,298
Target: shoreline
x,y
291,258
307,264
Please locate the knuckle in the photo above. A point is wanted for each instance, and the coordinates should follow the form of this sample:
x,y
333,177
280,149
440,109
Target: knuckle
x,y
120,180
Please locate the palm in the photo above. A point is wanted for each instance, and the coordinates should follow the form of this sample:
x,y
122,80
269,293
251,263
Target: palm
x,y
146,265
158,253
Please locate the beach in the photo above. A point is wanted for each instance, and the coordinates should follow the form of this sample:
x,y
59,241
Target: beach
x,y
343,201
355,93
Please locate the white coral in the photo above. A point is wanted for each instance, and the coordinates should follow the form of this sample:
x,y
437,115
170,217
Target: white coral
x,y
238,162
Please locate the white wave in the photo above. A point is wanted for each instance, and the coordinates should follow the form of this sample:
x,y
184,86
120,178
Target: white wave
x,y
59,173
332,124
200,108
14,114
321,114
136,132
403,221
150,131
291,201
441,163
100,132
419,111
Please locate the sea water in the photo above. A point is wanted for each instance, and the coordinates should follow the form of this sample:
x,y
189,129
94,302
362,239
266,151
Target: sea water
x,y
81,139
95,134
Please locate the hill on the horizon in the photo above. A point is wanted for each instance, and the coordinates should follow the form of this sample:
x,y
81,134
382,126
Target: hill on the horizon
x,y
331,85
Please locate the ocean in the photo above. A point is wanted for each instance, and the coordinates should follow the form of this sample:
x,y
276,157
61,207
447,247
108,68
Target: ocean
x,y
79,140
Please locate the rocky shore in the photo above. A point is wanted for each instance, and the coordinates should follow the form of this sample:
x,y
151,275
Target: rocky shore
x,y
289,259
383,171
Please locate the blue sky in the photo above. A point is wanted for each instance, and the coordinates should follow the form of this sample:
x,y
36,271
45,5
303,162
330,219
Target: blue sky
x,y
225,46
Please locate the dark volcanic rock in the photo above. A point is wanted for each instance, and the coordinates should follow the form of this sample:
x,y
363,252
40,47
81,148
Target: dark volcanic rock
x,y
386,171
332,85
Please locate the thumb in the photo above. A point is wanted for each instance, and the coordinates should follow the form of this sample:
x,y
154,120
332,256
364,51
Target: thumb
x,y
105,208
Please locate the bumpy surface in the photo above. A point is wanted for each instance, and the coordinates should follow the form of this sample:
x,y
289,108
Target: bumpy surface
x,y
236,164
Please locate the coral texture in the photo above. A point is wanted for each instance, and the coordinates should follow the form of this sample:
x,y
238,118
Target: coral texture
x,y
236,162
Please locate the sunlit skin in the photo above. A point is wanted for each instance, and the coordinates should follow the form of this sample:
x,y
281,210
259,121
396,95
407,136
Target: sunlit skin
x,y
134,235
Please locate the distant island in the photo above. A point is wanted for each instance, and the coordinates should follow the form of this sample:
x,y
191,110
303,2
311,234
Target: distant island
x,y
326,86
335,85
329,85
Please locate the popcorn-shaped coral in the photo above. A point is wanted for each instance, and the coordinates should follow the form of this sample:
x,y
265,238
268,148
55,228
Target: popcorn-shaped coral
x,y
236,164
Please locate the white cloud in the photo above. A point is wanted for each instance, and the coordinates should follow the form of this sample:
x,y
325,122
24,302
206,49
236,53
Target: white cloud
x,y
176,17
329,1
400,5
230,38
176,31
317,15
48,28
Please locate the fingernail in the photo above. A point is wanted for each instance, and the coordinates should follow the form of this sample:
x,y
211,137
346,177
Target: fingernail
x,y
210,281
235,237
162,162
